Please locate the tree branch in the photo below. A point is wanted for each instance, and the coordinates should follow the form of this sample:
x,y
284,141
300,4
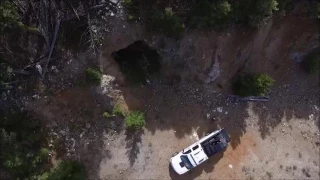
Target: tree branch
x,y
52,45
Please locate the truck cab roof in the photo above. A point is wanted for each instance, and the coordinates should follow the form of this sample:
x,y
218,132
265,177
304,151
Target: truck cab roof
x,y
198,156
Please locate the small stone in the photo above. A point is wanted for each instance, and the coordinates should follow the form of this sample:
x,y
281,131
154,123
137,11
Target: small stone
x,y
219,109
54,69
226,112
112,14
124,26
81,135
63,133
230,166
39,68
311,116
36,96
208,116
88,125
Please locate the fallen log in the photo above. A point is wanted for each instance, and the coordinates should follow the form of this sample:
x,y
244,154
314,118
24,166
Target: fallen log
x,y
235,98
56,30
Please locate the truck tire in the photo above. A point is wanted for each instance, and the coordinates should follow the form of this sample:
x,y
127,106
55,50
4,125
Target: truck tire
x,y
174,154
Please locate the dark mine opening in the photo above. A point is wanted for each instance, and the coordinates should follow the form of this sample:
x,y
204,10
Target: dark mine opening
x,y
138,62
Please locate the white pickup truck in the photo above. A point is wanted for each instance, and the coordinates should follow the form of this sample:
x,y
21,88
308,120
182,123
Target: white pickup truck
x,y
200,151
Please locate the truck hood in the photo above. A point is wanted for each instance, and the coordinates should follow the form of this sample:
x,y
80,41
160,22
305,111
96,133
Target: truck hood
x,y
178,165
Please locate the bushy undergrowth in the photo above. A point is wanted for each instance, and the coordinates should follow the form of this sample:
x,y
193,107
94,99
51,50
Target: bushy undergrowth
x,y
135,120
93,75
8,14
252,85
118,110
208,14
24,154
66,170
23,151
201,14
168,23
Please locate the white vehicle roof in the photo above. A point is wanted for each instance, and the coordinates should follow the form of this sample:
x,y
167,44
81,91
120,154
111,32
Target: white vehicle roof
x,y
194,153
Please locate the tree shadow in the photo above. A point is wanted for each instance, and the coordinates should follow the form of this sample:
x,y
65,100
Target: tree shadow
x,y
207,166
133,138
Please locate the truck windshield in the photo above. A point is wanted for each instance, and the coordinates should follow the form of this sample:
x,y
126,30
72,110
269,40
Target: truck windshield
x,y
186,161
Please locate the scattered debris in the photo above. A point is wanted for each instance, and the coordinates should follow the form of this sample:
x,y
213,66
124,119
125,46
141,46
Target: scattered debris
x,y
208,116
36,96
88,125
219,109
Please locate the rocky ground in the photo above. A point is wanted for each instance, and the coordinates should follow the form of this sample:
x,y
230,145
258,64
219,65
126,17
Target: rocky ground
x,y
269,140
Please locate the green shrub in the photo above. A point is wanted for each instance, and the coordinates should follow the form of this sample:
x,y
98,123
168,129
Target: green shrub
x,y
66,170
252,85
168,23
93,75
118,110
262,10
14,163
22,138
41,157
107,115
135,120
8,14
253,12
311,63
283,4
133,8
208,14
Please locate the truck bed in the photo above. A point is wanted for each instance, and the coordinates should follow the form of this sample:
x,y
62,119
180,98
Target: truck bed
x,y
216,143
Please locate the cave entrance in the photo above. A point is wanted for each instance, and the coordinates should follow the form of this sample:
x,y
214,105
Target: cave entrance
x,y
138,62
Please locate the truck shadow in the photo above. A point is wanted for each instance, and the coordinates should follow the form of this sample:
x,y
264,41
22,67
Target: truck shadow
x,y
207,166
